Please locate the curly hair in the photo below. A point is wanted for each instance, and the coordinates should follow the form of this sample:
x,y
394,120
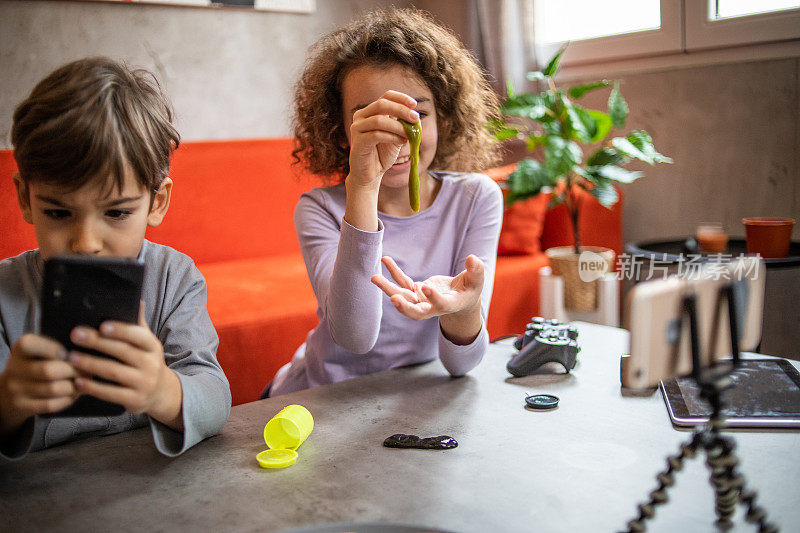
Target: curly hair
x,y
92,118
464,100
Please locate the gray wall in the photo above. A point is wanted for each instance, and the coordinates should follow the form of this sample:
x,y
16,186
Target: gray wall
x,y
229,72
733,131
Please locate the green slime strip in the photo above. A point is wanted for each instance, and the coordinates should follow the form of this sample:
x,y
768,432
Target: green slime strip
x,y
414,134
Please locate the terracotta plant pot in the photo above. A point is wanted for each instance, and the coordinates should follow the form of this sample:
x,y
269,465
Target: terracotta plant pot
x,y
768,236
580,273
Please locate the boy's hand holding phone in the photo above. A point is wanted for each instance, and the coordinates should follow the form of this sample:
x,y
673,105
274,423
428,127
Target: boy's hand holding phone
x,y
37,380
41,378
89,305
141,380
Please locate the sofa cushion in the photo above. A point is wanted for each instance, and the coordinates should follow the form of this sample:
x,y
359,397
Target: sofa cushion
x,y
262,310
599,225
232,213
233,200
515,298
523,221
16,235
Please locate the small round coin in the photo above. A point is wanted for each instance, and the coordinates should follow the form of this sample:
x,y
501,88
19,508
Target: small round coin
x,y
541,401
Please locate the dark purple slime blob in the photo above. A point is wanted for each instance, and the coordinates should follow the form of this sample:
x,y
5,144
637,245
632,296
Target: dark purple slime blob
x,y
401,440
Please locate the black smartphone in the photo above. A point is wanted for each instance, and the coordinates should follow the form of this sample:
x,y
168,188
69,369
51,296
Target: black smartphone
x,y
86,291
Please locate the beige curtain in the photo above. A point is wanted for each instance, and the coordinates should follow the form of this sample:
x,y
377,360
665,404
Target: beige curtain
x,y
506,45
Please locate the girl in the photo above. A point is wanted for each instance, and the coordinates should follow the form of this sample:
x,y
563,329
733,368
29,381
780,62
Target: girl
x,y
357,83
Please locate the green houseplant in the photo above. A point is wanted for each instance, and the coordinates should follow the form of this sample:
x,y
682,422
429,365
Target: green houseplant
x,y
573,147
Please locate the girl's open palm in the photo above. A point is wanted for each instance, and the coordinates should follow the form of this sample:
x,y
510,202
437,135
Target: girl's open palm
x,y
437,295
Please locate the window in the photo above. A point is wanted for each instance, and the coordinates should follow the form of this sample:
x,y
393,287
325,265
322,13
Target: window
x,y
726,23
614,30
606,30
556,21
721,9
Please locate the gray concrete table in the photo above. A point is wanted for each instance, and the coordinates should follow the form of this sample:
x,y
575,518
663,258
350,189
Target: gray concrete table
x,y
582,467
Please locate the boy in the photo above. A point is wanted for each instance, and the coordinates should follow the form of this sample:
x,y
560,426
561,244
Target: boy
x,y
93,143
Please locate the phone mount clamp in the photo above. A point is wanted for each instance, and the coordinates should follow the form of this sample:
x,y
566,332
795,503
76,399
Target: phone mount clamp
x,y
729,485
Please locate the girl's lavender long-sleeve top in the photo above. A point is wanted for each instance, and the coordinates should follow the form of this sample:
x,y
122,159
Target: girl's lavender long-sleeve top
x,y
359,330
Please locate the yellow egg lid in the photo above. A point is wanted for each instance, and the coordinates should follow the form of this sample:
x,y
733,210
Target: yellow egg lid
x,y
279,458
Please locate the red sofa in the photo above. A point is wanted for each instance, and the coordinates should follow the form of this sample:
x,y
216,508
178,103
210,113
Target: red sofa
x,y
231,211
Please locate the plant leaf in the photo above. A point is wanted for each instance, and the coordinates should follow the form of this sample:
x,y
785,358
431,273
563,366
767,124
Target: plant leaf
x,y
495,124
617,107
551,99
580,90
552,65
505,133
500,130
524,105
580,171
574,128
510,91
555,199
535,76
603,123
527,180
552,128
605,156
580,122
625,147
605,193
535,141
641,140
615,173
560,155
588,121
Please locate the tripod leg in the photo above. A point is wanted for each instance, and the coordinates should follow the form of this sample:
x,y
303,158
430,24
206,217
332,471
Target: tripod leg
x,y
666,479
755,513
729,484
727,487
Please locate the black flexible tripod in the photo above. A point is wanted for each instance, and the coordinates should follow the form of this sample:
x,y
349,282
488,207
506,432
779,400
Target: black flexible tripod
x,y
729,485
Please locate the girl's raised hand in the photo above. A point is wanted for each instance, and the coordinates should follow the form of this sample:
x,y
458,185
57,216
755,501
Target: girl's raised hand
x,y
376,136
437,295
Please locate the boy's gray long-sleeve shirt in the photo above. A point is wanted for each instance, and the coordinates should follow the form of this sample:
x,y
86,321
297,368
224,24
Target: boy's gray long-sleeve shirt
x,y
174,293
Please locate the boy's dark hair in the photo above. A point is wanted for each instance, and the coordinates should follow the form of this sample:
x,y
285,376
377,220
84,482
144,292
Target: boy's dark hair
x,y
93,118
463,97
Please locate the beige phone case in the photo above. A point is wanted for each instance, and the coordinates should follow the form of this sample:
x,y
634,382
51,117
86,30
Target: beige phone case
x,y
660,340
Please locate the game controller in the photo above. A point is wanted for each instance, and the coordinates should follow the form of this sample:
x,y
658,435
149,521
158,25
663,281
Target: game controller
x,y
544,341
539,324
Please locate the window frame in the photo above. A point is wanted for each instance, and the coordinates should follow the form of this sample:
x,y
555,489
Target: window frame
x,y
704,33
686,38
667,39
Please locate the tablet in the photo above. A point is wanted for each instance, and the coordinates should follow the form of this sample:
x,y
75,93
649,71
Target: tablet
x,y
766,394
